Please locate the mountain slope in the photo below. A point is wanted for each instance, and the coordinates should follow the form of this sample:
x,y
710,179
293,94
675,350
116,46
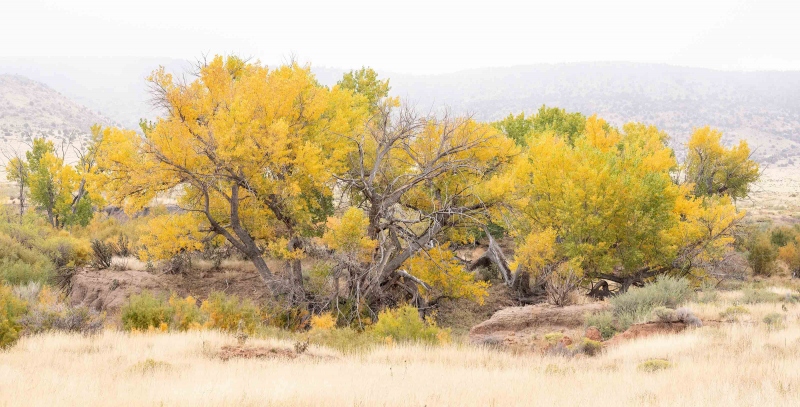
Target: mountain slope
x,y
31,109
761,107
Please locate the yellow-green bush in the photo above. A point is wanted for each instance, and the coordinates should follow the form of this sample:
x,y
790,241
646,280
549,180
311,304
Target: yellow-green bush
x,y
404,324
224,312
145,311
654,365
11,309
186,313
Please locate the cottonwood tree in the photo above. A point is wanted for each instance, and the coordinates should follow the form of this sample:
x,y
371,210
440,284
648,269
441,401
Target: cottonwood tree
x,y
57,188
716,170
17,171
248,151
255,155
422,184
606,203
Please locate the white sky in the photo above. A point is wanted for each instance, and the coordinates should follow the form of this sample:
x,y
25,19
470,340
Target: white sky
x,y
414,36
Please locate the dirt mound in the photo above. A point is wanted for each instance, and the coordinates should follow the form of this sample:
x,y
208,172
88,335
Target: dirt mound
x,y
647,329
107,290
516,326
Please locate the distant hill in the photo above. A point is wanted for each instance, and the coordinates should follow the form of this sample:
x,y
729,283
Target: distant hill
x,y
32,109
761,107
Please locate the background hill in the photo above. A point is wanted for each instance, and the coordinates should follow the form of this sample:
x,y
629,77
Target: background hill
x,y
30,109
761,107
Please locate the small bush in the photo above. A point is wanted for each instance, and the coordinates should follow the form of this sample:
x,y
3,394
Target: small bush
x,y
708,294
604,321
654,365
324,322
731,314
664,314
144,311
553,337
758,296
224,312
102,254
404,324
686,316
11,310
774,321
59,317
762,254
588,347
636,305
186,313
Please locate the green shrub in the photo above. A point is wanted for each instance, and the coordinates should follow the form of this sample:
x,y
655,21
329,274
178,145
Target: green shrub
x,y
145,311
404,324
11,310
774,321
664,314
708,294
761,254
603,321
636,304
223,312
186,313
588,347
654,365
553,337
758,296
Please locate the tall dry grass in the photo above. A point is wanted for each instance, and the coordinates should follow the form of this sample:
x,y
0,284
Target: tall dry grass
x,y
739,364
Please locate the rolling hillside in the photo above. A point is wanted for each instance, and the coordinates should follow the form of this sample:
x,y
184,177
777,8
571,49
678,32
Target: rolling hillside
x,y
31,109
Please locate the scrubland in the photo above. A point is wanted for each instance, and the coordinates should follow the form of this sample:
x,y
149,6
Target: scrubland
x,y
744,362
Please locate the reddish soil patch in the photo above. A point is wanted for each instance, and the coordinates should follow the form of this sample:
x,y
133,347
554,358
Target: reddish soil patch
x,y
647,329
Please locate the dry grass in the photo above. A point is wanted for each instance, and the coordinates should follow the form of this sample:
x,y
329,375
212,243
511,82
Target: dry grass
x,y
741,364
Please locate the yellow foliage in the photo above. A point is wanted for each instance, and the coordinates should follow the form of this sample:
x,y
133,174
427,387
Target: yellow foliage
x,y
167,235
323,322
716,170
447,277
610,201
348,234
187,315
47,297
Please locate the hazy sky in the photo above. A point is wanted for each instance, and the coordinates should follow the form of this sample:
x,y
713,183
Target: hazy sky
x,y
414,36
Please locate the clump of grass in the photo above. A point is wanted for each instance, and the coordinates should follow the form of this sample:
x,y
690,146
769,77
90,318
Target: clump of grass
x,y
654,365
732,314
707,295
150,366
774,321
760,296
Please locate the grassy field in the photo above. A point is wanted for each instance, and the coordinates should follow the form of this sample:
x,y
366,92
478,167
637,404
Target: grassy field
x,y
745,363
